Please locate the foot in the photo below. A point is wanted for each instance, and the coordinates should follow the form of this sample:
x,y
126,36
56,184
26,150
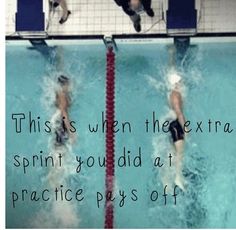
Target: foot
x,y
180,182
150,13
64,18
55,4
137,27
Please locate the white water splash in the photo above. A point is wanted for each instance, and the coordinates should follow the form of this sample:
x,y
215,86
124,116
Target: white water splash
x,y
54,214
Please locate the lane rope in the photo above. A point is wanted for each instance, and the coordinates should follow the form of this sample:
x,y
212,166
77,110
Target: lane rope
x,y
110,136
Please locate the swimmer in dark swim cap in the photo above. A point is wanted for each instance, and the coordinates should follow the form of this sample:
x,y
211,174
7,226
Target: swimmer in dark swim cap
x,y
63,102
63,80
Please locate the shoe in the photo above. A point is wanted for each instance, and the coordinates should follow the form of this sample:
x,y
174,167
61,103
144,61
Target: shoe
x,y
55,4
150,13
137,27
63,20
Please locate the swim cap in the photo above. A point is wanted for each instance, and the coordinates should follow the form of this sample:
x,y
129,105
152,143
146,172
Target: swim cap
x,y
63,79
174,78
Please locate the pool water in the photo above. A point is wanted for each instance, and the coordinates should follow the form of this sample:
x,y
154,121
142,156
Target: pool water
x,y
208,70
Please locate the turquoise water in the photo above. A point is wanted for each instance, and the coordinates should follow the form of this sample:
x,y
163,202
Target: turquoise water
x,y
208,71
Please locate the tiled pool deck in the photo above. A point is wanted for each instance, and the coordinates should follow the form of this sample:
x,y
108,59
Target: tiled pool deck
x,y
92,17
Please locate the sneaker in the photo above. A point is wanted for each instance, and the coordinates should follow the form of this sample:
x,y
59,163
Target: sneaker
x,y
55,4
63,20
150,13
137,27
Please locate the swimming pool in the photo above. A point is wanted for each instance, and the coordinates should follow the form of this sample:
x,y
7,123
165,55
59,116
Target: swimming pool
x,y
208,71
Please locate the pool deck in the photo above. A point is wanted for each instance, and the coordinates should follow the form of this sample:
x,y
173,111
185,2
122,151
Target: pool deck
x,y
104,17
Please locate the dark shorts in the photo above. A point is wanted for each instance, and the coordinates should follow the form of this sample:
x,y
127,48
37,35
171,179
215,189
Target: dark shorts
x,y
176,131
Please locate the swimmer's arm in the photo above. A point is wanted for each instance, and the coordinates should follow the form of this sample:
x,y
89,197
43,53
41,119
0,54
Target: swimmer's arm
x,y
180,117
61,102
178,109
68,126
57,100
172,63
66,120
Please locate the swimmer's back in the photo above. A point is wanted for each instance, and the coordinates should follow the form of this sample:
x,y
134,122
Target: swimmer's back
x,y
176,100
62,100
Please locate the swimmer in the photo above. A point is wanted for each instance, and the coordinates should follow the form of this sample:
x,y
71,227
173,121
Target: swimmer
x,y
176,126
63,103
63,4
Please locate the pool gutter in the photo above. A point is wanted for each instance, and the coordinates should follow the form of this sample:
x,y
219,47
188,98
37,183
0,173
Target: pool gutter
x,y
121,36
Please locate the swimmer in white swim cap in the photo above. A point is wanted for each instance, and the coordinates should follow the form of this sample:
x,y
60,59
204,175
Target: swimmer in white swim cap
x,y
176,126
174,78
174,81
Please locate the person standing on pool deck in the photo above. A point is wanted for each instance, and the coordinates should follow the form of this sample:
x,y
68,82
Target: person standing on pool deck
x,y
134,8
63,4
176,126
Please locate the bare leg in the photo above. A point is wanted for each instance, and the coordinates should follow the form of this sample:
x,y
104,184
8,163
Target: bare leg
x,y
166,180
179,179
64,7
